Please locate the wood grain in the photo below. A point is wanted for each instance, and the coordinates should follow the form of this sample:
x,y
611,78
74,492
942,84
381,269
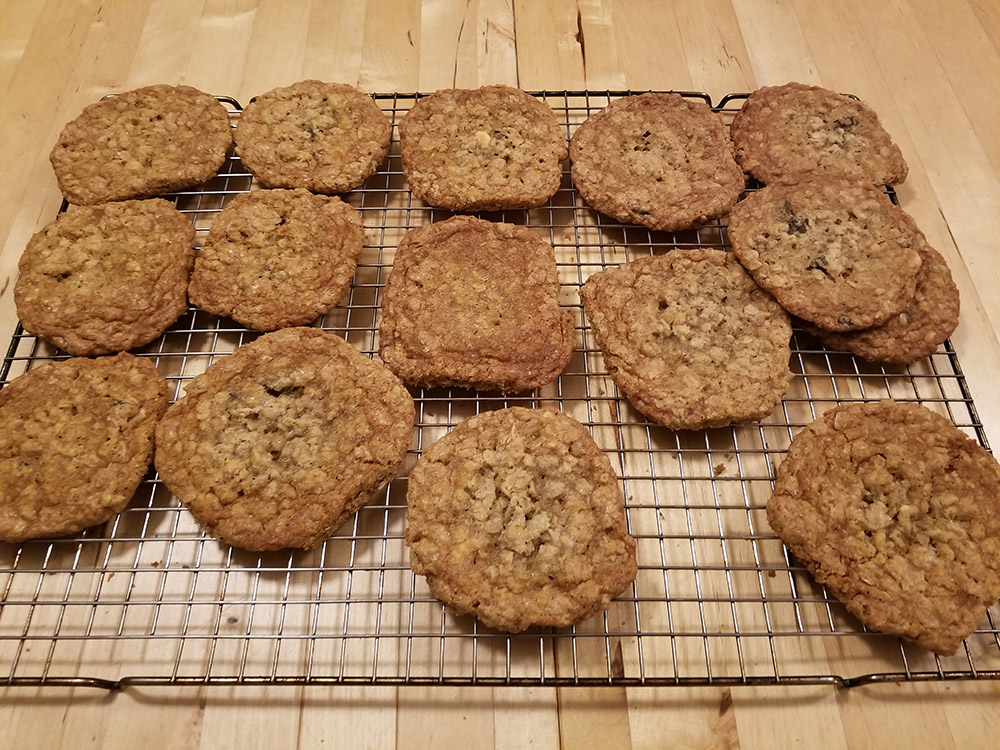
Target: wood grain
x,y
931,68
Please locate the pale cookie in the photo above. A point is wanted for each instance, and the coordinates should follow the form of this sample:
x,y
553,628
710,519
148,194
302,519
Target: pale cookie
x,y
897,512
785,132
106,278
277,444
324,137
929,319
141,143
658,160
690,339
482,149
76,438
834,252
277,258
476,304
515,516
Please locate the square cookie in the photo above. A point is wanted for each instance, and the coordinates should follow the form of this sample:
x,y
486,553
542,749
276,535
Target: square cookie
x,y
474,303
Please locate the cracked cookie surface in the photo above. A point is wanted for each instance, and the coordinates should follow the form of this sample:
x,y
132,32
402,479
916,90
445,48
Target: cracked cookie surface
x,y
277,444
659,160
690,338
76,438
832,251
454,313
516,517
106,278
897,512
482,149
277,258
784,132
140,143
324,137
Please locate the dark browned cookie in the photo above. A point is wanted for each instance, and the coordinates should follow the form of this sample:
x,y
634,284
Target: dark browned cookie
x,y
324,137
929,319
690,339
832,251
277,258
482,149
515,516
277,444
140,143
897,512
106,278
658,160
76,438
476,304
784,132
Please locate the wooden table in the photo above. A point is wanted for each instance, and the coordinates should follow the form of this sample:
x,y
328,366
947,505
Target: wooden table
x,y
930,68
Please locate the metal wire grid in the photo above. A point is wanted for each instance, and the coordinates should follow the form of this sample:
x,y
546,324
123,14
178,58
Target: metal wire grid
x,y
148,599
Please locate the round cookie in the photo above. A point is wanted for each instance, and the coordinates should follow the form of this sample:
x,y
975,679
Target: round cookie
x,y
897,512
784,132
453,313
834,252
690,339
658,160
277,444
482,149
929,319
106,278
144,142
515,516
76,438
277,258
324,137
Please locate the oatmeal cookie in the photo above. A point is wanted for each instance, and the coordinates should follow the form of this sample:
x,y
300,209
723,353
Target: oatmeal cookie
x,y
784,132
482,149
324,137
277,258
106,278
658,160
897,512
515,516
476,304
76,438
690,339
834,252
929,319
277,444
141,143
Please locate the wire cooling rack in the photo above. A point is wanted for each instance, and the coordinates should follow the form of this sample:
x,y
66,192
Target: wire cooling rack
x,y
148,599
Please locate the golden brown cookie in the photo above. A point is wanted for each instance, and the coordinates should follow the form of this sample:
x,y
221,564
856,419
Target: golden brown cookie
x,y
515,516
144,142
106,278
277,444
277,258
324,137
482,149
832,251
474,303
658,160
690,339
76,438
784,132
929,319
897,512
